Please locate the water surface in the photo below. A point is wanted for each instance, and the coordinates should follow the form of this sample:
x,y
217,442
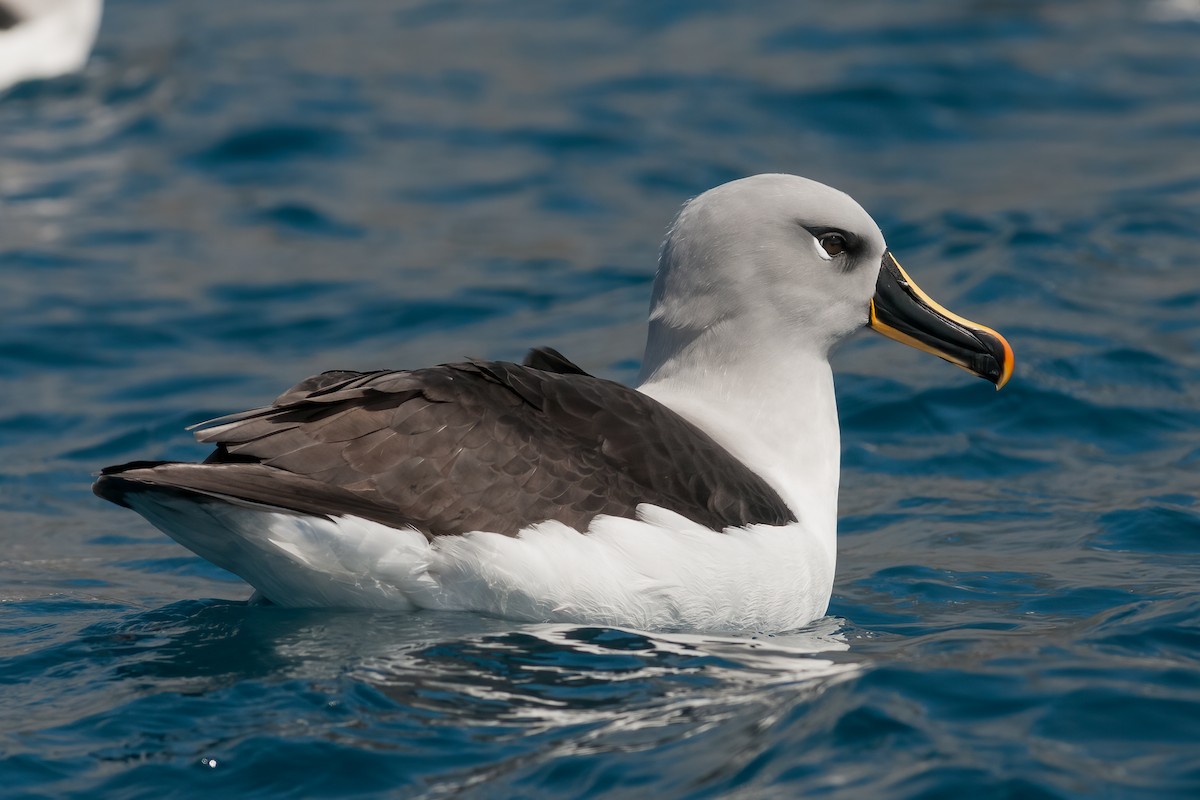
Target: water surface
x,y
236,195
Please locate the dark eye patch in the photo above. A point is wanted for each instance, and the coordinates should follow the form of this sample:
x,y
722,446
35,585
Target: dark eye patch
x,y
832,243
836,241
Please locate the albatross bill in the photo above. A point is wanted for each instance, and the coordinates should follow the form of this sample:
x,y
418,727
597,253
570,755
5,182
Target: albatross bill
x,y
703,499
901,311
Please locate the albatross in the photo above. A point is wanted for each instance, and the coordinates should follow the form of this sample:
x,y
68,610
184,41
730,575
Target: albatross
x,y
704,498
45,38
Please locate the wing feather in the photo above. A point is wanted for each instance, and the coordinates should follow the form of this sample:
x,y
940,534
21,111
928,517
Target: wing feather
x,y
481,445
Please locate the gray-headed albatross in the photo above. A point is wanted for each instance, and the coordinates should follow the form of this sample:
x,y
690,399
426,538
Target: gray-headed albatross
x,y
703,499
45,38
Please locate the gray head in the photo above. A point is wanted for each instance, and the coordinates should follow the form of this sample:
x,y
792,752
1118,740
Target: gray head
x,y
767,256
778,264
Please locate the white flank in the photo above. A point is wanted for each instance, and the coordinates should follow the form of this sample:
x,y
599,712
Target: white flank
x,y
659,572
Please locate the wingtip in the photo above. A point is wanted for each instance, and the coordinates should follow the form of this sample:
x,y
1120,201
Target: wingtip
x,y
110,484
111,488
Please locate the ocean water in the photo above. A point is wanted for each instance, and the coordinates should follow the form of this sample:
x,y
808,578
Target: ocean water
x,y
236,195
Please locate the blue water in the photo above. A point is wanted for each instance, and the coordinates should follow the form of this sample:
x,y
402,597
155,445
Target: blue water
x,y
236,195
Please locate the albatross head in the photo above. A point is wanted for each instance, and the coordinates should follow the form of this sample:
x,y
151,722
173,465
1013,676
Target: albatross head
x,y
786,264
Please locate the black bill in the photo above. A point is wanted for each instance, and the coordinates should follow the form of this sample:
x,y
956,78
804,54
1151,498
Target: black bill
x,y
901,311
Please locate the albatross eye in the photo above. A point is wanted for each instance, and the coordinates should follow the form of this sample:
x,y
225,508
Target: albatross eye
x,y
833,243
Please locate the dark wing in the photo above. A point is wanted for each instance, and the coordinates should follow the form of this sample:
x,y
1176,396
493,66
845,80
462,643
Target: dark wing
x,y
477,446
548,359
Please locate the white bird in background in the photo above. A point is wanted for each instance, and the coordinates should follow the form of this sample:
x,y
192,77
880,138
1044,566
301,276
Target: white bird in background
x,y
45,38
704,499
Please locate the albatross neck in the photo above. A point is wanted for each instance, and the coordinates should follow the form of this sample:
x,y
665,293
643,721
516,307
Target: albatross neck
x,y
773,408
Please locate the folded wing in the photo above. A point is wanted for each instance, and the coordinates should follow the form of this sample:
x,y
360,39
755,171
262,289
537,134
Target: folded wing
x,y
460,447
